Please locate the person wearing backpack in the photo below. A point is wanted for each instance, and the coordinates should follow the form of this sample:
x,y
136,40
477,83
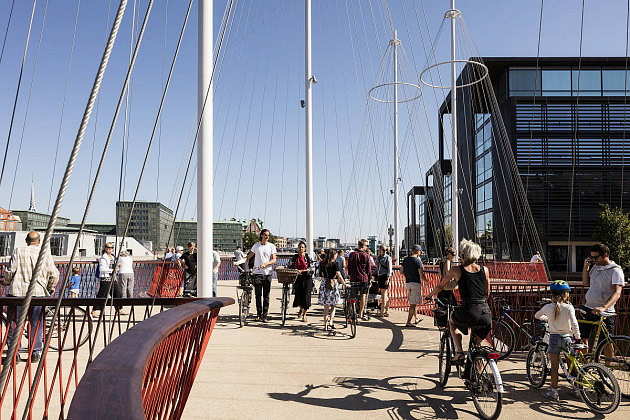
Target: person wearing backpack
x,y
384,270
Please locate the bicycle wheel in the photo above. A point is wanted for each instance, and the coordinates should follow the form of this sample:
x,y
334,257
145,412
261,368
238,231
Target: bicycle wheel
x,y
285,303
70,330
352,319
243,307
537,366
444,360
615,355
503,339
485,394
598,388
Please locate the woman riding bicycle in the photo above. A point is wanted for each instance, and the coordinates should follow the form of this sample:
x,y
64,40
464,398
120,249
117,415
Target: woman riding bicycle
x,y
474,289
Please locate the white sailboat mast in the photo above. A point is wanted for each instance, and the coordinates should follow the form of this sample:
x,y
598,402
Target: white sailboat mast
x,y
310,79
453,14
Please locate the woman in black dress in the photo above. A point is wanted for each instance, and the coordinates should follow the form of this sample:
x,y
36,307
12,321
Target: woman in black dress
x,y
304,282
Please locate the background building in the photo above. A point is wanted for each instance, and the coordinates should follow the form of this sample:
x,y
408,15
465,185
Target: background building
x,y
565,121
227,235
32,220
103,228
185,231
150,221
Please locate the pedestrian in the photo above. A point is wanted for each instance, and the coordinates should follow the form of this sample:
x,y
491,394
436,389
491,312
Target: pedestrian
x,y
536,258
105,269
126,274
74,288
188,262
238,254
563,324
264,255
18,276
446,295
168,256
179,250
359,271
414,274
303,286
605,281
341,263
384,270
216,263
329,295
474,288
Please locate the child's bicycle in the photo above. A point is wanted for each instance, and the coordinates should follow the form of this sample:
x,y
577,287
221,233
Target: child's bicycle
x,y
595,383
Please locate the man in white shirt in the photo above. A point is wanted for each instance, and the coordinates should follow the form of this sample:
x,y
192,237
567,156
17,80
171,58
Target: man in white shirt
x,y
216,262
536,258
264,254
605,281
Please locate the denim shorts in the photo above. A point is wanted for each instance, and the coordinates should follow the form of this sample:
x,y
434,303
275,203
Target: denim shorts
x,y
558,343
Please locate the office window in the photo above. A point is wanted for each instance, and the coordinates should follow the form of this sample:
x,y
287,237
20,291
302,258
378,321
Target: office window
x,y
524,82
556,82
7,241
587,82
615,82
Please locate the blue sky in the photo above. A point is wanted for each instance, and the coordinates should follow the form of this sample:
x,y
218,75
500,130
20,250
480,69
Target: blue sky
x,y
259,135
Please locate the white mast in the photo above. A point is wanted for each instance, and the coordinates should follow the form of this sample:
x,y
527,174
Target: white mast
x,y
204,149
395,43
453,14
310,79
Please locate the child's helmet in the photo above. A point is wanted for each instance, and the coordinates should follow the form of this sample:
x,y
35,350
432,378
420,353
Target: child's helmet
x,y
560,286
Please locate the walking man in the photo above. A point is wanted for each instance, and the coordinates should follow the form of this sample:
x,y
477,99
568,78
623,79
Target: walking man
x,y
19,275
105,270
412,267
188,262
605,282
359,270
264,255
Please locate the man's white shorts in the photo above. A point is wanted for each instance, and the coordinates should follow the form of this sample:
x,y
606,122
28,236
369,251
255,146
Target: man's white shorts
x,y
413,291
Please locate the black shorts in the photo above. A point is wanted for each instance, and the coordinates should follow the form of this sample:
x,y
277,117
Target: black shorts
x,y
477,317
383,281
587,329
360,287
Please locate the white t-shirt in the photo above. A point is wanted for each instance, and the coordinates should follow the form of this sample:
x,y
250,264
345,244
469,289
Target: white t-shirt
x,y
536,258
564,323
125,265
604,279
262,255
216,261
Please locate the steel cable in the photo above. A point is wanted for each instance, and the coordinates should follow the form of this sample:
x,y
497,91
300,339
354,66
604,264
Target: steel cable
x,y
6,368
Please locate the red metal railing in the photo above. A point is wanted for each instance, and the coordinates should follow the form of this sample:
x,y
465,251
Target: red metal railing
x,y
148,372
74,340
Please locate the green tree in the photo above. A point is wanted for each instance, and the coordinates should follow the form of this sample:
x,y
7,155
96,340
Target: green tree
x,y
613,229
249,239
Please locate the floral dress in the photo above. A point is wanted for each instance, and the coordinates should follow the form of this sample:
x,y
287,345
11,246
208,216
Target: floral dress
x,y
329,296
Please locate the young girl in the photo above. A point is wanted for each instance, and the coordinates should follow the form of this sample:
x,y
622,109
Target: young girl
x,y
75,283
562,325
329,295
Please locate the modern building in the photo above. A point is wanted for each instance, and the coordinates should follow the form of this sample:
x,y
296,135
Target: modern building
x,y
150,221
102,228
32,220
227,235
185,231
552,134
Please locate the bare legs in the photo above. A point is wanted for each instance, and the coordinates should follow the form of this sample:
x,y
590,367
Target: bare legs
x,y
329,315
411,318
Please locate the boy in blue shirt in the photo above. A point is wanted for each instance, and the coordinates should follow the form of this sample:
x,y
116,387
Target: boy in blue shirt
x,y
75,283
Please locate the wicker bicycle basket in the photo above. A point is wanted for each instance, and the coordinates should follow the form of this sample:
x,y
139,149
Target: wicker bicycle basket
x,y
287,275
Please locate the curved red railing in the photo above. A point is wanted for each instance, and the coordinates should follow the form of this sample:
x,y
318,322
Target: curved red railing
x,y
147,373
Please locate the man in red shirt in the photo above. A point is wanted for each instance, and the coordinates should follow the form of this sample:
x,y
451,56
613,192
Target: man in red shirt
x,y
359,270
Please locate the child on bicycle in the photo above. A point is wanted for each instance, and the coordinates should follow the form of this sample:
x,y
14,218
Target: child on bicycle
x,y
563,324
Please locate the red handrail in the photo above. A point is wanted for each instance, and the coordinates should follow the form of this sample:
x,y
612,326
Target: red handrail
x,y
147,373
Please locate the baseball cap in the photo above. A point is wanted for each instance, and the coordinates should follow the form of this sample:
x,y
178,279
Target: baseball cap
x,y
416,248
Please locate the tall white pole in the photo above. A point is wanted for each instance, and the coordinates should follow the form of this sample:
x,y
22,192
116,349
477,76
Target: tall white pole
x,y
309,132
204,150
454,13
395,43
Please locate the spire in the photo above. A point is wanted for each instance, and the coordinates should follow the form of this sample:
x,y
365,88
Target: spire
x,y
31,206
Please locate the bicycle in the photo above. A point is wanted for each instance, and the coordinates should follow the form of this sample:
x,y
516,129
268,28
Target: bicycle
x,y
286,277
481,374
593,381
244,299
350,305
503,335
613,351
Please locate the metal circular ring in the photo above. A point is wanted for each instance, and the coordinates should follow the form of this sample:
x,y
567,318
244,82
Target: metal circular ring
x,y
474,82
400,101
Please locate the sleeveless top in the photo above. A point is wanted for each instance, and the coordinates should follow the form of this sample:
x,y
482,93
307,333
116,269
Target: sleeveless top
x,y
472,287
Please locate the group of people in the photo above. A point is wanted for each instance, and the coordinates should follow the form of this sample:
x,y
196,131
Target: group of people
x,y
603,277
